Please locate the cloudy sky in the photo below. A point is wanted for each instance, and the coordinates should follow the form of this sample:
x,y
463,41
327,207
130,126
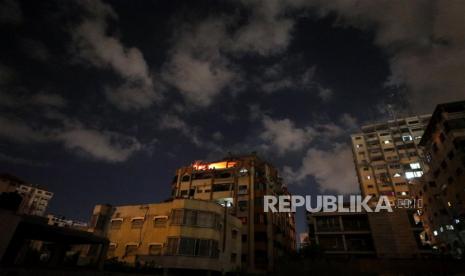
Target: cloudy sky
x,y
102,101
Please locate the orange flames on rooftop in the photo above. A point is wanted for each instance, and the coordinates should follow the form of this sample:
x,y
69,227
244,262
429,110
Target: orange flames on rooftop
x,y
214,166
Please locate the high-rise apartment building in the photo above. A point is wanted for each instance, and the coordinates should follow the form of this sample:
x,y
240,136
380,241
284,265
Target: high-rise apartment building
x,y
35,199
443,185
240,182
387,156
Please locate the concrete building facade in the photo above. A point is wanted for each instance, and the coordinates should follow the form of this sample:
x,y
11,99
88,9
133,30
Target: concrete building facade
x,y
442,187
182,234
241,182
35,199
387,156
390,235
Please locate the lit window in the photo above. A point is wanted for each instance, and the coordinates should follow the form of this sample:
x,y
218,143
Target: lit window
x,y
415,165
410,175
359,145
457,221
404,193
449,204
435,233
368,177
407,138
387,141
397,175
449,227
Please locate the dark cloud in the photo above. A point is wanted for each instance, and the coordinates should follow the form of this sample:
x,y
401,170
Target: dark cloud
x,y
10,12
425,41
93,45
101,145
21,161
193,80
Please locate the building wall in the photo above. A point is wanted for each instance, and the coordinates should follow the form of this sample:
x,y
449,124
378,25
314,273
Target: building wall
x,y
384,234
148,233
387,156
242,182
35,200
442,187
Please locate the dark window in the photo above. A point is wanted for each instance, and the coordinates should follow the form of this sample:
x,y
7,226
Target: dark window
x,y
244,238
221,187
187,246
442,137
155,249
137,223
444,164
459,171
450,155
185,178
242,204
159,221
224,175
172,246
454,124
261,236
202,176
177,217
190,217
203,248
214,250
116,224
131,250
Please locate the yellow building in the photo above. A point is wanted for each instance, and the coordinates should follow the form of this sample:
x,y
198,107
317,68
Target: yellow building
x,y
241,182
387,156
179,234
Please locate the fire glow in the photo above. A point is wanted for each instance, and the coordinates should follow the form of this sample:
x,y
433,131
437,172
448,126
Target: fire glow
x,y
214,166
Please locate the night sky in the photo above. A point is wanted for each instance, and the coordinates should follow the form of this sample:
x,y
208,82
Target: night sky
x,y
100,102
